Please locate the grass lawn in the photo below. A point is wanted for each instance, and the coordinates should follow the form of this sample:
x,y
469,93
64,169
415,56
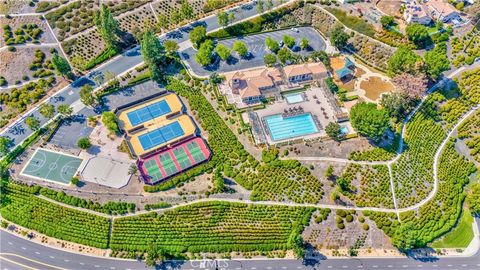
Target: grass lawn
x,y
458,237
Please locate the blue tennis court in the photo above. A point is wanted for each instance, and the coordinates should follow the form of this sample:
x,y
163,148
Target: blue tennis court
x,y
148,112
161,135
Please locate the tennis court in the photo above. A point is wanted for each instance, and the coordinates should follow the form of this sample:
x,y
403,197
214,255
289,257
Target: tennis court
x,y
149,112
52,166
177,159
161,135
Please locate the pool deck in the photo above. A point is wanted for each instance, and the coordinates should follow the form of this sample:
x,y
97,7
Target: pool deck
x,y
316,99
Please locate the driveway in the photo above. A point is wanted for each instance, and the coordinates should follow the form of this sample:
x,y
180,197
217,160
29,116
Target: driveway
x,y
256,46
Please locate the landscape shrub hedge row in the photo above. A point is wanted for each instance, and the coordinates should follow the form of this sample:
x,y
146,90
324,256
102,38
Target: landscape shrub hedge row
x,y
212,227
22,207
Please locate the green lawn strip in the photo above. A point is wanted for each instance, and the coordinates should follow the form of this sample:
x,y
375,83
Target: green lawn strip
x,y
460,236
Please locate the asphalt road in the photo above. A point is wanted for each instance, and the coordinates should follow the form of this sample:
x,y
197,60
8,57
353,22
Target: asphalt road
x,y
20,253
18,131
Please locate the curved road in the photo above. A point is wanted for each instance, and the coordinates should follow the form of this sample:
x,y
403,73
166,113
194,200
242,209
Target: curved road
x,y
20,253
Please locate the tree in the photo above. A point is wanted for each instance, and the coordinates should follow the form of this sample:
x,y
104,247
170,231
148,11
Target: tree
x,y
75,181
223,51
284,55
405,237
333,131
61,65
418,34
171,47
198,35
473,198
403,61
176,17
369,121
86,95
231,17
47,110
397,104
414,86
289,41
268,4
460,5
5,144
186,10
270,59
153,53
329,172
204,54
338,37
84,143
163,22
110,121
259,6
133,169
272,44
304,44
240,48
436,61
32,123
387,21
107,26
222,18
65,110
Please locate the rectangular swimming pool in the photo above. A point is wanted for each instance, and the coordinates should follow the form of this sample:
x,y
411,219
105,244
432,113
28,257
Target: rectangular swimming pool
x,y
281,128
294,98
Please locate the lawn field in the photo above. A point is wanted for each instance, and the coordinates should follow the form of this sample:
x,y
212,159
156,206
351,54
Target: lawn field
x,y
460,236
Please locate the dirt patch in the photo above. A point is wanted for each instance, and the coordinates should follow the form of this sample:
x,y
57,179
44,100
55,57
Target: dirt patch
x,y
390,7
375,86
17,63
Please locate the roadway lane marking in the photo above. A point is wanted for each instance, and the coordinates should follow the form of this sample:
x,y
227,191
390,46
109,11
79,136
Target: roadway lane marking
x,y
51,257
36,252
374,266
66,260
28,259
10,243
81,263
464,265
17,263
24,248
360,266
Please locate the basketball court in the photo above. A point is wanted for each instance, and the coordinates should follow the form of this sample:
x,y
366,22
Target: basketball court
x,y
52,166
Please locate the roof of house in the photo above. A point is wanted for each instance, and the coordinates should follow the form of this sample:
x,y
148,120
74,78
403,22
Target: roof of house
x,y
254,80
307,68
440,8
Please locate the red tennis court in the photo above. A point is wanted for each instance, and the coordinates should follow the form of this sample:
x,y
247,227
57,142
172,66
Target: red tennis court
x,y
170,162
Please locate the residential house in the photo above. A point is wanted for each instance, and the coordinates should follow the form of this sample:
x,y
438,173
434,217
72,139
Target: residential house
x,y
416,14
442,11
305,73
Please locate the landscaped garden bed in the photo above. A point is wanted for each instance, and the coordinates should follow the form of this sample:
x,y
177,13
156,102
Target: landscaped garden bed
x,y
24,29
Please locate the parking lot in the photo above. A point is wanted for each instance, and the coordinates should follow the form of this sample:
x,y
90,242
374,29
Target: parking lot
x,y
256,46
71,131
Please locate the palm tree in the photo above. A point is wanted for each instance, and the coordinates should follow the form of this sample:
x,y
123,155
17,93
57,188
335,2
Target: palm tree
x,y
133,169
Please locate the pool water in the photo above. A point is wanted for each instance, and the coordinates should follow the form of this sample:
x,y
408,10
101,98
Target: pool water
x,y
291,127
343,129
294,98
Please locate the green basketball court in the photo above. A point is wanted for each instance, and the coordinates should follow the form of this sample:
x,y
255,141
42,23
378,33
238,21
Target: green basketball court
x,y
52,166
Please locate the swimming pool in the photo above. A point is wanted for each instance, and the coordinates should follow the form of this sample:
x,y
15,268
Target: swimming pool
x,y
281,128
343,129
294,98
